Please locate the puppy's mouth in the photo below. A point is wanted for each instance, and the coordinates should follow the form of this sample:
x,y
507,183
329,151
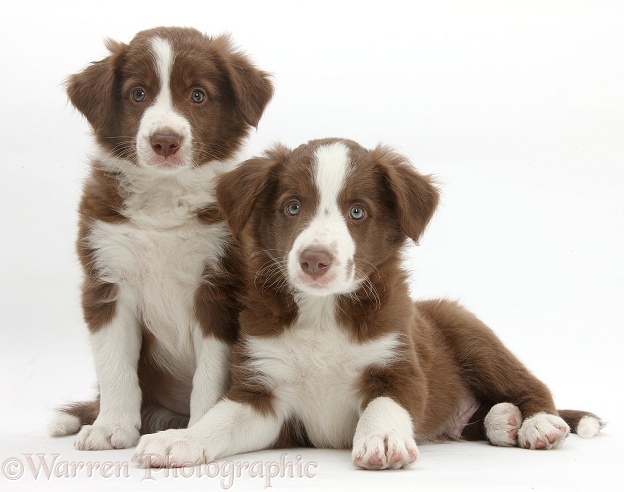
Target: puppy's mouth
x,y
170,163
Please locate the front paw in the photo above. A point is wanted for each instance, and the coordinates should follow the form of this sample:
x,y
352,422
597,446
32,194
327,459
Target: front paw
x,y
542,431
173,448
106,436
383,451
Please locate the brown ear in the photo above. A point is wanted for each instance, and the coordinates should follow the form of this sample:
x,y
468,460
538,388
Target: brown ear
x,y
252,88
92,91
238,190
415,196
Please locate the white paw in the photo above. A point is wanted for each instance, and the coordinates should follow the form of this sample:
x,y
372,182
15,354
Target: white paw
x,y
172,448
542,431
379,452
384,436
110,436
64,424
502,423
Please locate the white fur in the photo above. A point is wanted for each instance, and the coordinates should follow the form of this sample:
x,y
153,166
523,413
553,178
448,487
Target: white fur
x,y
498,429
211,373
384,437
162,117
328,230
298,364
589,426
116,348
542,431
158,271
64,424
156,259
228,428
296,367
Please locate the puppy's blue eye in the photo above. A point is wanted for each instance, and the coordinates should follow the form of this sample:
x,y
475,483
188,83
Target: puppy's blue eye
x,y
293,208
198,96
139,95
357,213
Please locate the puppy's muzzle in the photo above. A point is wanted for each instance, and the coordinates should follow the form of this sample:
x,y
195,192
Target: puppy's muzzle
x,y
165,144
315,263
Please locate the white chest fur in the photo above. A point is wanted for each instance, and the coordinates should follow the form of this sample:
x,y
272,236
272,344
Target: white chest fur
x,y
158,256
314,369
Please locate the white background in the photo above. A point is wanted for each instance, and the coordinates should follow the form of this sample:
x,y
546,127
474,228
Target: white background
x,y
516,106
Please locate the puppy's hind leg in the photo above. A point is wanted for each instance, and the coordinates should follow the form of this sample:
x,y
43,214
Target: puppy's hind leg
x,y
496,376
502,424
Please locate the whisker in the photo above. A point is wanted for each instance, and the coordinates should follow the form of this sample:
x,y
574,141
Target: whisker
x,y
271,274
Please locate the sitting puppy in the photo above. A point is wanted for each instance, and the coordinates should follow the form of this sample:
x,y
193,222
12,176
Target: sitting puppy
x,y
169,113
333,352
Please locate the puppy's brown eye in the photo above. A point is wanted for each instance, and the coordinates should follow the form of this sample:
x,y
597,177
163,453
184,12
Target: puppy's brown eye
x,y
357,213
293,208
198,96
138,95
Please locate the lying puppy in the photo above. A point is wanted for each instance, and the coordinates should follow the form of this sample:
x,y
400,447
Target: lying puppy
x,y
169,112
333,352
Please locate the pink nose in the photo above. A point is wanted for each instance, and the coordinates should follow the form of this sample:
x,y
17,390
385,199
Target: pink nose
x,y
165,144
315,263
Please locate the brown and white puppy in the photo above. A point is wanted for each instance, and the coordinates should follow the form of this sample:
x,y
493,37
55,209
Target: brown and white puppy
x,y
169,113
333,352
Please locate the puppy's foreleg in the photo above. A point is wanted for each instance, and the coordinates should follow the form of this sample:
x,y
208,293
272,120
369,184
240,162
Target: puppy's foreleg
x,y
116,347
228,428
210,379
384,436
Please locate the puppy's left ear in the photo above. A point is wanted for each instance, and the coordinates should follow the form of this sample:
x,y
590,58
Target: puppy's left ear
x,y
252,88
415,196
238,190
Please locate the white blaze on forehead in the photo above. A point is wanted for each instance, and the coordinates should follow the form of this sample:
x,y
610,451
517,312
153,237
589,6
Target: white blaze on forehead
x,y
163,56
328,230
161,116
331,169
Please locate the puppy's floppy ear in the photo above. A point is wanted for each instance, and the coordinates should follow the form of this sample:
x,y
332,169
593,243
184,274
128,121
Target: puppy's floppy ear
x,y
252,88
92,91
414,195
238,190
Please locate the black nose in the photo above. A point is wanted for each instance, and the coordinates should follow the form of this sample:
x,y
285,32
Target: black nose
x,y
315,263
165,144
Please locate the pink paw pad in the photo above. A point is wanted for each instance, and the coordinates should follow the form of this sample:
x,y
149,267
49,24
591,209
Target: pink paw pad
x,y
513,432
502,423
375,460
543,431
381,453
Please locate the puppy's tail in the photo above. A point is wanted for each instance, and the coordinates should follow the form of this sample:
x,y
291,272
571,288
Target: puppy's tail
x,y
70,418
585,424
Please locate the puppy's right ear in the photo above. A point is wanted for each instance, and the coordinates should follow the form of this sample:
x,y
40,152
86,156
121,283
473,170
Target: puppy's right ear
x,y
93,91
238,190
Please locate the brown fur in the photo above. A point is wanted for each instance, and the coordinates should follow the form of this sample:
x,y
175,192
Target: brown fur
x,y
236,98
237,93
447,352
